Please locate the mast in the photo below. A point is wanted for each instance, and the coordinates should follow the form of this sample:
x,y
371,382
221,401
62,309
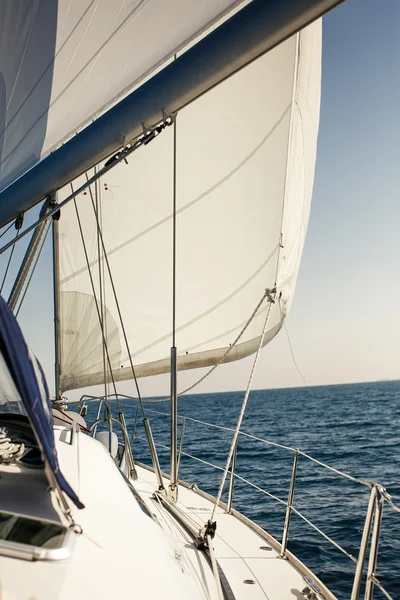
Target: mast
x,y
56,297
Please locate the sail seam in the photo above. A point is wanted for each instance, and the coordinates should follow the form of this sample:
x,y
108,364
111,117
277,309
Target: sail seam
x,y
266,294
192,202
51,104
212,308
117,97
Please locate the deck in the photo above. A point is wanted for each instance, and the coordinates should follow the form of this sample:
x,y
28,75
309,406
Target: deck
x,y
248,557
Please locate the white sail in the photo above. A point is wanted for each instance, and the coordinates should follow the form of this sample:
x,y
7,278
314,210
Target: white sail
x,y
63,62
245,168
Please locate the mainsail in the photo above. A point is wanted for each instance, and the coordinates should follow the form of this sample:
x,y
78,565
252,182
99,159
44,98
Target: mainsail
x,y
65,61
244,171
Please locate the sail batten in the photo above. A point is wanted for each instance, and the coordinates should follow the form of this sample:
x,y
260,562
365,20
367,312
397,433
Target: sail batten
x,y
245,166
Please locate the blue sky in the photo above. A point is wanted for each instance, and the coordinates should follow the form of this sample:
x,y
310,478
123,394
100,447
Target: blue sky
x,y
345,320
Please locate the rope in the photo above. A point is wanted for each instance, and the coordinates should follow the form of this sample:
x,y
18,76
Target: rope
x,y
97,306
380,586
259,489
8,228
9,261
292,353
395,508
270,294
9,452
221,360
335,470
110,164
100,236
33,269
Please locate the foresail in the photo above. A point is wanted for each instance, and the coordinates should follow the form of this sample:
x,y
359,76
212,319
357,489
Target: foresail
x,y
63,62
245,166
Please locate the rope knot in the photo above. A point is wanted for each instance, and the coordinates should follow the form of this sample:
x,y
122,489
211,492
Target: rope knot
x,y
206,532
10,452
270,294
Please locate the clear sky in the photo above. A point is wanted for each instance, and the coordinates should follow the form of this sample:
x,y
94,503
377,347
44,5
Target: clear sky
x,y
345,320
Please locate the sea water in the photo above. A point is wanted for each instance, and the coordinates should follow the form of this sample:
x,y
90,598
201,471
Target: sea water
x,y
354,428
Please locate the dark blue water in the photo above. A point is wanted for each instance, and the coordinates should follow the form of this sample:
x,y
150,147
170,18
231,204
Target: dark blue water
x,y
355,428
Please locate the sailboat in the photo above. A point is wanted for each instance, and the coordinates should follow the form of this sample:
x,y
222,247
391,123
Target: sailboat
x,y
173,145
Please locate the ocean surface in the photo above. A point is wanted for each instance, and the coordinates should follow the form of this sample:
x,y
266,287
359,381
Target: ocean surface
x,y
354,428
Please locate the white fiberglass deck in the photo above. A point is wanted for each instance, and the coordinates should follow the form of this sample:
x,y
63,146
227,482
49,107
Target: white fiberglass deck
x,y
244,554
122,553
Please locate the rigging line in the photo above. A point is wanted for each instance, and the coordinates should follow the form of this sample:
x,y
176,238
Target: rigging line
x,y
395,508
96,301
220,335
271,299
96,188
33,269
9,262
214,307
204,194
116,301
8,228
380,586
228,350
110,164
341,473
292,352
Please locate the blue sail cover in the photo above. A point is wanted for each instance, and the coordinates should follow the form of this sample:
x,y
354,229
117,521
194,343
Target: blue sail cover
x,y
31,385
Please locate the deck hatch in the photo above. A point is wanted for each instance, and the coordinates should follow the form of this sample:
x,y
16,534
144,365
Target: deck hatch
x,y
34,539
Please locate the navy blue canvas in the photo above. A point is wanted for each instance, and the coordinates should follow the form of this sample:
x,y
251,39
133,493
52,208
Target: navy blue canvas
x,y
31,384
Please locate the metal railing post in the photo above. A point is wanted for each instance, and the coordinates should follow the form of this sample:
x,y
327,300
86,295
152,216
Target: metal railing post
x,y
180,448
153,452
97,416
289,505
173,485
364,544
373,554
232,481
134,427
128,449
